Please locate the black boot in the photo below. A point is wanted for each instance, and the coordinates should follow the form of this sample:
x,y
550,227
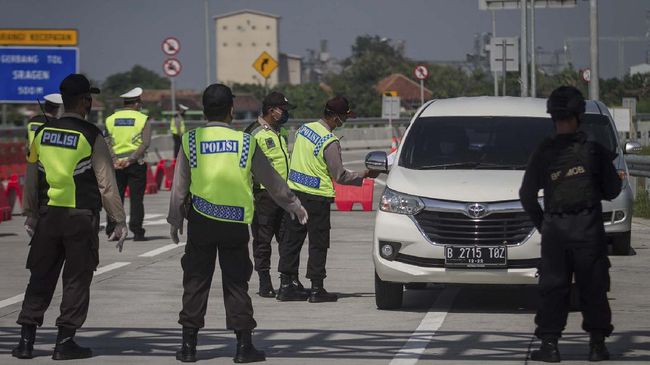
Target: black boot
x,y
319,294
597,349
246,352
187,353
266,287
547,352
290,289
25,347
139,236
67,349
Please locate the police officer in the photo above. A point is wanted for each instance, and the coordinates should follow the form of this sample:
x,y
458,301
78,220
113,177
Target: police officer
x,y
575,174
271,138
69,175
213,190
50,112
315,162
129,133
177,127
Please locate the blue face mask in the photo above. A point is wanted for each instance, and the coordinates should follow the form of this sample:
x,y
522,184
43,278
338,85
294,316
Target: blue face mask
x,y
284,117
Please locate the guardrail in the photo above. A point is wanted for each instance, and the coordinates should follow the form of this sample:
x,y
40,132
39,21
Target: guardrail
x,y
638,165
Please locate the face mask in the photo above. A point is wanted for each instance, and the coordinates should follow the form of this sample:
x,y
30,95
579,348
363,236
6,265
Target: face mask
x,y
284,117
339,122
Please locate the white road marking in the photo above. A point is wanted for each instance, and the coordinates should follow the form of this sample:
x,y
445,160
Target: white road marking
x,y
13,300
417,344
109,267
104,269
146,217
162,249
157,222
353,162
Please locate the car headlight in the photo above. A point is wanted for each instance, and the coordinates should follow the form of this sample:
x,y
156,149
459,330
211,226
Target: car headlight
x,y
394,202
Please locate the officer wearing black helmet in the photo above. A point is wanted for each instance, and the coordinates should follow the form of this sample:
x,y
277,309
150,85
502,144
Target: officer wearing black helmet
x,y
575,174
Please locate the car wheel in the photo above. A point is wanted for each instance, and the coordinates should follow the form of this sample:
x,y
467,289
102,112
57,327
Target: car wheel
x,y
388,295
621,244
415,286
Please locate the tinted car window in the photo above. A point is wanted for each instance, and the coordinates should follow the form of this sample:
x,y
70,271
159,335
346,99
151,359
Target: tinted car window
x,y
473,142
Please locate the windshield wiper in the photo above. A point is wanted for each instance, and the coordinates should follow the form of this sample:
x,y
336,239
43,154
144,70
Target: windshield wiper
x,y
445,166
500,166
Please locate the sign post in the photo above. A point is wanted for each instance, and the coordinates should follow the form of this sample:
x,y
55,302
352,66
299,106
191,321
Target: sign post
x,y
421,72
265,64
171,66
390,107
504,56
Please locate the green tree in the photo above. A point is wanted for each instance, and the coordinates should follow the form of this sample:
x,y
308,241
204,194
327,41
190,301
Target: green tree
x,y
119,83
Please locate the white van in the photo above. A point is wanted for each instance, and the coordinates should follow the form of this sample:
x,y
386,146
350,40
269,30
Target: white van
x,y
451,213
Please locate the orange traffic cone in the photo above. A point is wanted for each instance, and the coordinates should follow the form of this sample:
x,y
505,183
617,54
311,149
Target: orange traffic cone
x,y
393,145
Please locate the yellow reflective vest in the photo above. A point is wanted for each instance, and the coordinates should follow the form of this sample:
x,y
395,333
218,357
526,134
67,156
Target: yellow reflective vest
x,y
125,127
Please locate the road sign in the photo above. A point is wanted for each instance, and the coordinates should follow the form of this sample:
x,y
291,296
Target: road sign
x,y
172,67
171,46
511,54
421,72
29,73
38,37
586,74
265,64
390,107
390,93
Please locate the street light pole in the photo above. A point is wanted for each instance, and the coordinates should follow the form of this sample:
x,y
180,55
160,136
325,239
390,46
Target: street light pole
x,y
533,57
594,89
494,34
207,43
524,50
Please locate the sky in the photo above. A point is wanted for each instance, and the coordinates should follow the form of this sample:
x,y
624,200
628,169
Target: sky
x,y
118,34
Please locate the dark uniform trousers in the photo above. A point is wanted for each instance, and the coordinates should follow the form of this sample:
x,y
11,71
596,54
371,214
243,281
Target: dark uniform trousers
x,y
135,177
64,238
206,237
267,222
318,229
178,142
574,246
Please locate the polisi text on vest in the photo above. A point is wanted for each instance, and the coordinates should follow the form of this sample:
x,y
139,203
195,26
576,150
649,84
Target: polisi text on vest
x,y
227,146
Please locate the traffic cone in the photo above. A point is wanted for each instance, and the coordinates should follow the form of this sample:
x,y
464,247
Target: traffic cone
x,y
393,145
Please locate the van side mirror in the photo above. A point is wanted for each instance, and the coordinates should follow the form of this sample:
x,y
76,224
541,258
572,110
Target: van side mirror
x,y
632,148
377,161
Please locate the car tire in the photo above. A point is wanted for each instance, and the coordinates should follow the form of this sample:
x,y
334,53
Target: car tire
x,y
621,244
415,286
388,295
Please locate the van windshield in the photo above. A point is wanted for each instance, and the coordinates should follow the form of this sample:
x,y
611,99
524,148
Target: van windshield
x,y
494,143
473,142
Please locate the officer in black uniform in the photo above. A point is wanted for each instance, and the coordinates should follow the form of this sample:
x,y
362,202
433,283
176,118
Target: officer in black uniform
x,y
575,174
69,175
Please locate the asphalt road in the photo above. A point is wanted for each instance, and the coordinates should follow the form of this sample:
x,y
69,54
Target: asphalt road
x,y
136,296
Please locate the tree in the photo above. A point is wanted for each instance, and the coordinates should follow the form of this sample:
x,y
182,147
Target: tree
x,y
119,83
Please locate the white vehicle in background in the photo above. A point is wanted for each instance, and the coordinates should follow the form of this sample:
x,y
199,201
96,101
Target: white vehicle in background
x,y
450,212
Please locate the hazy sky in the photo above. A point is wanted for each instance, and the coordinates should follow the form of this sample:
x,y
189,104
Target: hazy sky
x,y
117,34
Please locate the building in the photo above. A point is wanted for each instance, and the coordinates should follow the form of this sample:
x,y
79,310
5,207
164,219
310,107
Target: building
x,y
290,69
640,69
408,90
241,37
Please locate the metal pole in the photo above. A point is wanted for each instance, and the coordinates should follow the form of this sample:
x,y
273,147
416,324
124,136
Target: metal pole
x,y
621,58
494,34
594,89
207,44
421,92
173,95
523,75
533,56
504,71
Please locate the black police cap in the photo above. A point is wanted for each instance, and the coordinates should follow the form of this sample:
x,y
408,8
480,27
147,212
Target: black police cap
x,y
566,99
277,99
76,84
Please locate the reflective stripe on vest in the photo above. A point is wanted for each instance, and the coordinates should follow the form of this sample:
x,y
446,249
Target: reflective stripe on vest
x,y
125,127
220,172
32,127
62,154
172,126
275,148
308,171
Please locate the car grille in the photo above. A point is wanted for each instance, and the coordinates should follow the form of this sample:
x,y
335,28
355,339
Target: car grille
x,y
450,228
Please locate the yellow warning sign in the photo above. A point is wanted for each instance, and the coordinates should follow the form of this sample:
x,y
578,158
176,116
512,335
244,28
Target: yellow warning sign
x,y
38,37
265,64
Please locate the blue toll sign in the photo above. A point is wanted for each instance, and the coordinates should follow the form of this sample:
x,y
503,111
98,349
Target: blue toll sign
x,y
29,73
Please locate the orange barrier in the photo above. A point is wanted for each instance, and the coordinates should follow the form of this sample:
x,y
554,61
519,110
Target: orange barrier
x,y
5,208
15,190
152,186
347,195
169,174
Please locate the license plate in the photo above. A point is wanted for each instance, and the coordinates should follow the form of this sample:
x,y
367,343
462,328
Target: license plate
x,y
476,256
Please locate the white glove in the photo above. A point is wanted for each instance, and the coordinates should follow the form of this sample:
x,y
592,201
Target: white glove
x,y
301,215
174,232
30,225
120,232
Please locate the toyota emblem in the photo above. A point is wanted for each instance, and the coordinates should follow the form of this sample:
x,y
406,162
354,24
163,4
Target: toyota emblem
x,y
476,210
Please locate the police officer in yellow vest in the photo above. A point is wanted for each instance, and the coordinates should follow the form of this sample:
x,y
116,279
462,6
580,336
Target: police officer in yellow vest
x,y
213,190
129,133
271,138
315,162
69,176
51,112
177,127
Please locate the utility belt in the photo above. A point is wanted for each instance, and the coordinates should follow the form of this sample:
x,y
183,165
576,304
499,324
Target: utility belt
x,y
44,209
